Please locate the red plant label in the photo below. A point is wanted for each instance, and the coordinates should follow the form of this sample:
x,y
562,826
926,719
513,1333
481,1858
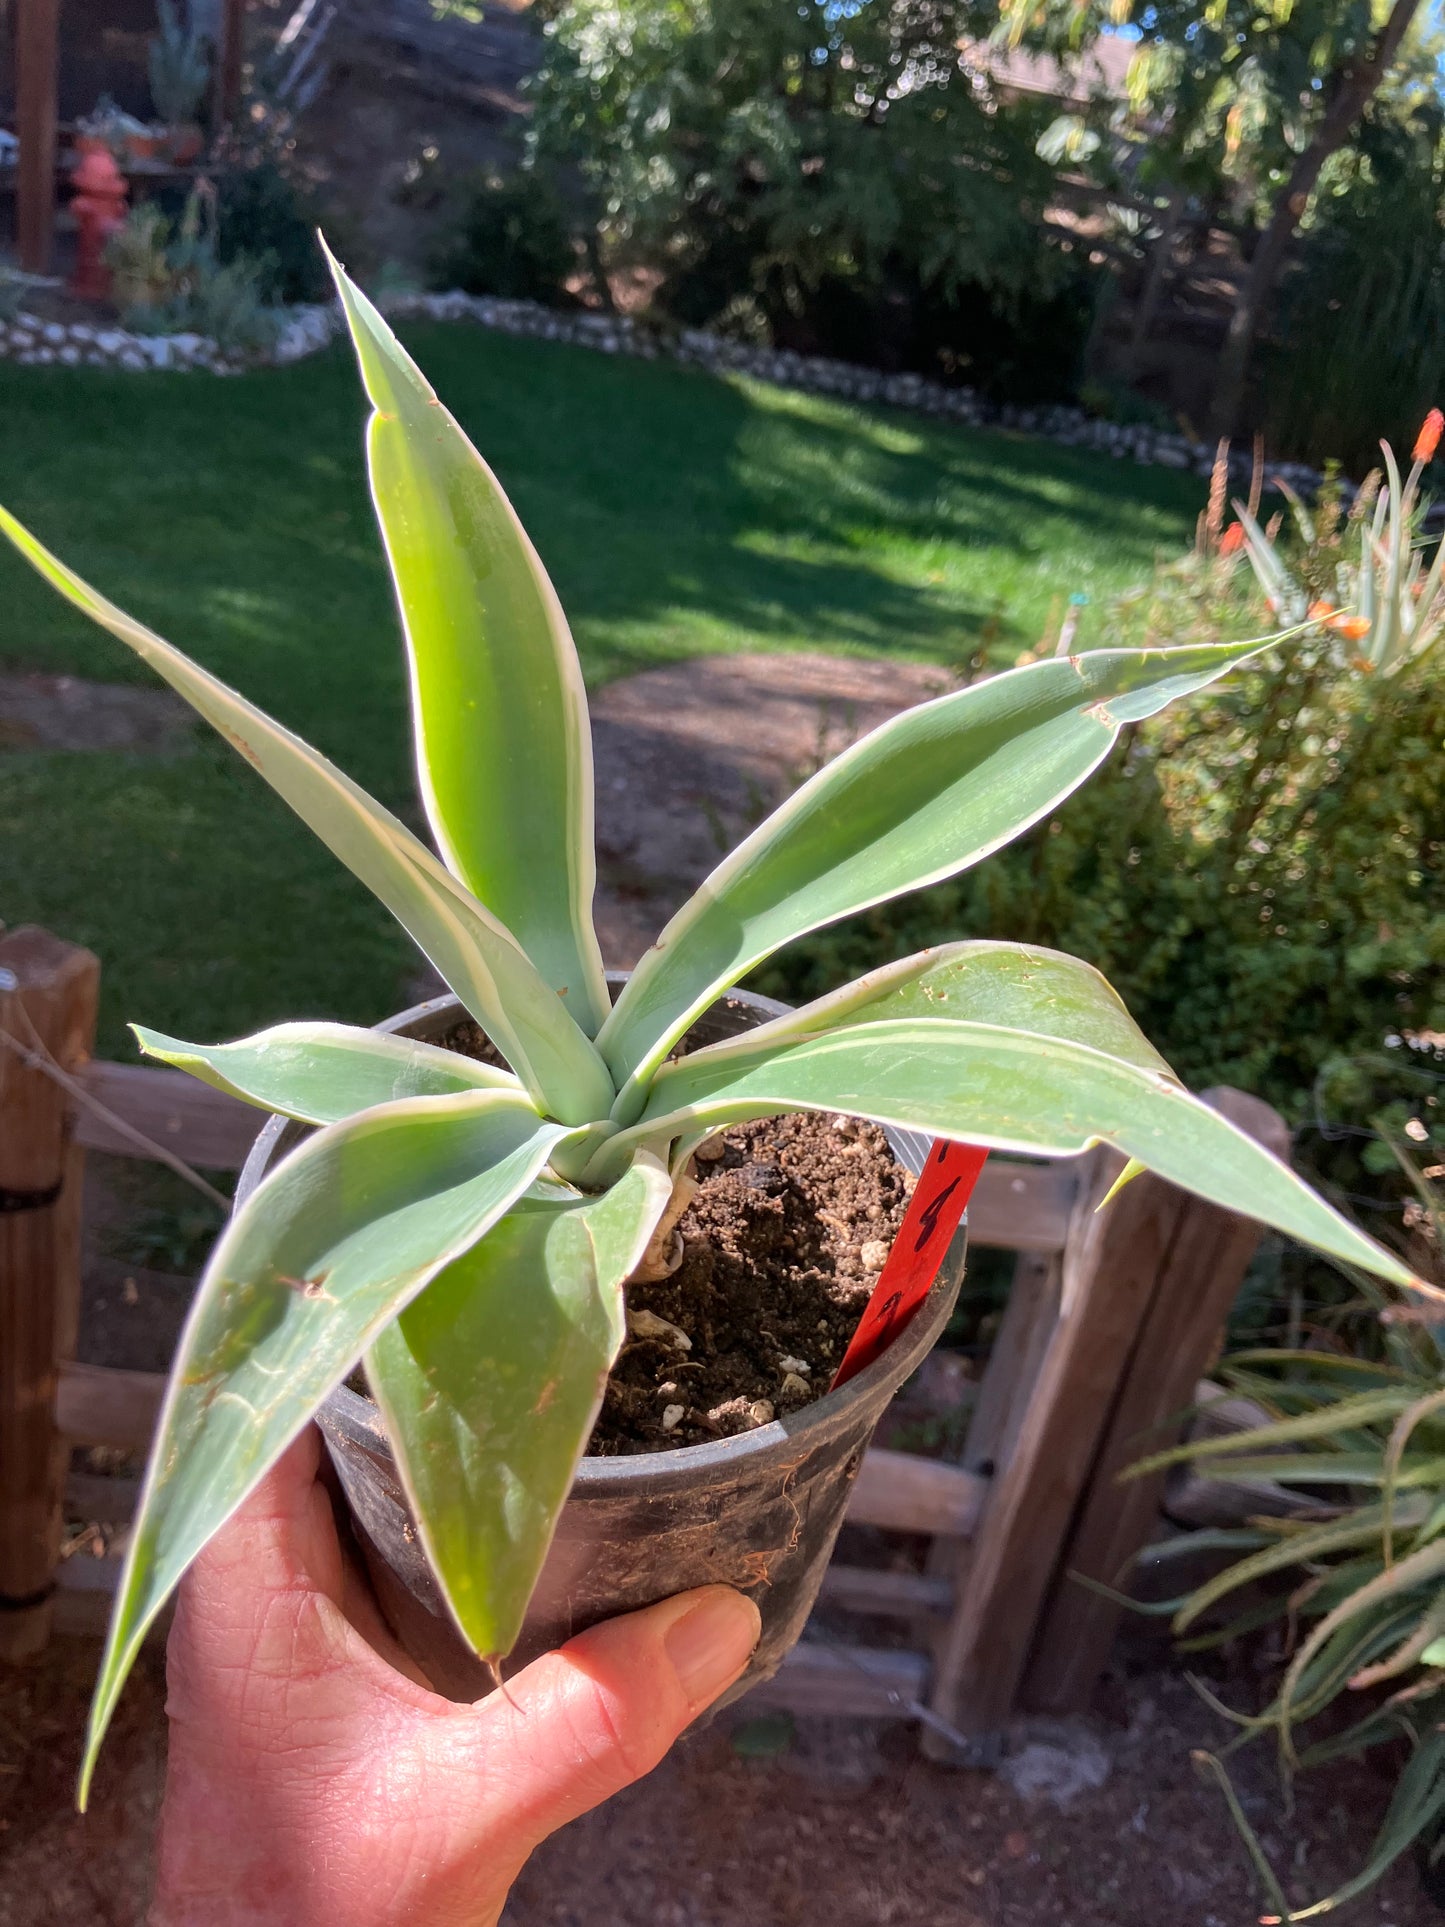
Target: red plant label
x,y
939,1200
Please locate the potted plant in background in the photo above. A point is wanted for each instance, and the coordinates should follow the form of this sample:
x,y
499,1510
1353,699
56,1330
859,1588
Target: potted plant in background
x,y
464,1220
180,72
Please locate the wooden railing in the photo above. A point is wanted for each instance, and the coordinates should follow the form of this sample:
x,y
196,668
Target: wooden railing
x,y
1111,1320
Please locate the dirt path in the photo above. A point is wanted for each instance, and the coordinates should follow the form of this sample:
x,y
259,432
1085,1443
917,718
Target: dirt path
x,y
844,1825
690,757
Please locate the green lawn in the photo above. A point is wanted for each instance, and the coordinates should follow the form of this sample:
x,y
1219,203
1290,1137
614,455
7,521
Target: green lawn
x,y
679,515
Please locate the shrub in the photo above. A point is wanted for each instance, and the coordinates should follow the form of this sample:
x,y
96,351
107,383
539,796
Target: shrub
x,y
1264,878
507,236
263,216
1361,337
836,166
168,279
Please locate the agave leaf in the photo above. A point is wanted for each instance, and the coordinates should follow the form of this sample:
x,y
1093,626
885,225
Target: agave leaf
x,y
926,795
490,1382
999,1045
475,953
337,1240
321,1073
504,749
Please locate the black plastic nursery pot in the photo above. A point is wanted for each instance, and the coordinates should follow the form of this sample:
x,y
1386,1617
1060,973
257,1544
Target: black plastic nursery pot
x,y
759,1511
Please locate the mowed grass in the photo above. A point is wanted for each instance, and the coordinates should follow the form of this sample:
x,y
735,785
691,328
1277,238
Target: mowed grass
x,y
679,515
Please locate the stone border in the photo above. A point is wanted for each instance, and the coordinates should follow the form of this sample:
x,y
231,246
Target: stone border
x,y
306,330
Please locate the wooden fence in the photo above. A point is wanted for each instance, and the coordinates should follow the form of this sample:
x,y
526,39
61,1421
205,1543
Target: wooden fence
x,y
1112,1318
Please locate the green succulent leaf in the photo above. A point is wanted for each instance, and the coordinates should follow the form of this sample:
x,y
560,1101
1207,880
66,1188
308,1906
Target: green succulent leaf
x,y
475,953
490,1381
321,1073
504,749
998,1044
338,1239
924,796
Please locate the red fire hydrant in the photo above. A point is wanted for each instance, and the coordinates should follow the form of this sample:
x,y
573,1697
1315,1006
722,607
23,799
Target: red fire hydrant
x,y
98,205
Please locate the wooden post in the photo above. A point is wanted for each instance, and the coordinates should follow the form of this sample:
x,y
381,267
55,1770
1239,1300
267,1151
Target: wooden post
x,y
1111,1260
229,55
1201,1275
48,993
37,69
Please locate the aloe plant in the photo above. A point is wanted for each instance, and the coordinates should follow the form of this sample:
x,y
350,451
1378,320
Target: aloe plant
x,y
468,1231
1388,606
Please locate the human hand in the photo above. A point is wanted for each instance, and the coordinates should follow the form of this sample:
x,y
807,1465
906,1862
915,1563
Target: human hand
x,y
315,1780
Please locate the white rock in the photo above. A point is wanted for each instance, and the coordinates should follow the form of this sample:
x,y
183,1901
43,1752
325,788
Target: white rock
x,y
874,1254
647,1324
70,354
672,1417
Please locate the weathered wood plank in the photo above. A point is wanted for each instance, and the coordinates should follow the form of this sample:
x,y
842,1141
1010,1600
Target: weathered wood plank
x,y
863,1682
1109,1267
48,996
1023,1207
909,1494
998,1415
1177,1341
907,1595
201,1125
37,79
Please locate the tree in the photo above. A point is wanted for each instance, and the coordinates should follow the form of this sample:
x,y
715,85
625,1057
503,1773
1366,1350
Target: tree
x,y
1360,64
1260,94
781,145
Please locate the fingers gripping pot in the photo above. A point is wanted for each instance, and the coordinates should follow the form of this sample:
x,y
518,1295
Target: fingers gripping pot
x,y
759,1511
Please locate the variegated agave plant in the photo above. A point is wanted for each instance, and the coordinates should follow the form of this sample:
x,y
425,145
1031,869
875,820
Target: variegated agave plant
x,y
468,1231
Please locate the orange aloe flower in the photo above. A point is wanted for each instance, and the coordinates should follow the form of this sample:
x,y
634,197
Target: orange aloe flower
x,y
1428,440
1352,628
1320,611
1232,540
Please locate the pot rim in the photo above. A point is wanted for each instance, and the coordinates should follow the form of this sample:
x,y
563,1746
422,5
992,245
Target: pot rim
x,y
677,1463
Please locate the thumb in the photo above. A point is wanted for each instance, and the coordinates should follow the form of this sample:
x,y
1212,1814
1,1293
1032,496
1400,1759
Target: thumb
x,y
578,1725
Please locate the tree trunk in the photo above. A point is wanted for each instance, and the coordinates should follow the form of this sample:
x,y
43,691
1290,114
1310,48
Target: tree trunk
x,y
1353,88
1154,280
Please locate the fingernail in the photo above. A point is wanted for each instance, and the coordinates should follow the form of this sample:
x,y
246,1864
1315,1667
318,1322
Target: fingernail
x,y
712,1642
